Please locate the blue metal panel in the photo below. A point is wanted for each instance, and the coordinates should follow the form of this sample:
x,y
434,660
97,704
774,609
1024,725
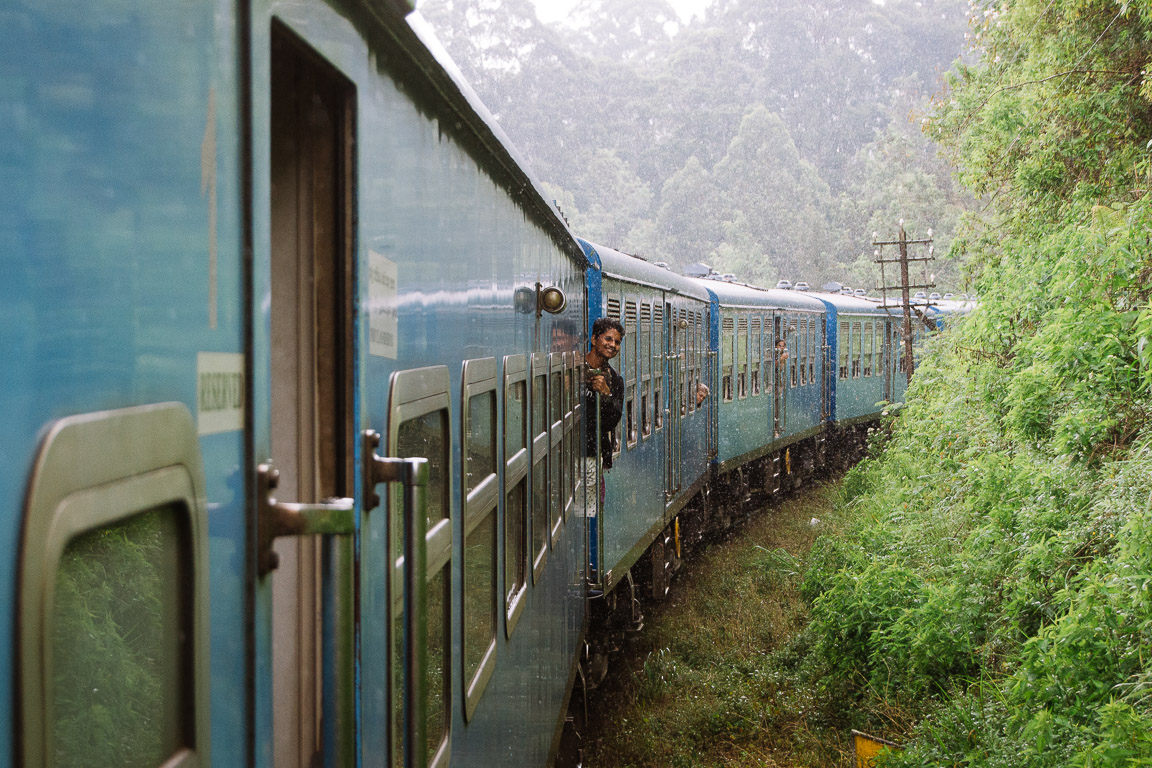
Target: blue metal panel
x,y
121,239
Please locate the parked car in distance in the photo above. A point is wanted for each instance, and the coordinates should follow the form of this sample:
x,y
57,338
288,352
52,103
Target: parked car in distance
x,y
784,285
802,286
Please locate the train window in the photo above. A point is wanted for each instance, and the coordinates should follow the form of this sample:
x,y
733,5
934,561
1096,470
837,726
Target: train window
x,y
630,364
741,358
857,344
645,361
645,410
793,353
817,350
802,343
481,496
658,365
630,414
556,398
113,593
516,485
868,337
540,444
728,339
844,336
878,365
757,355
427,435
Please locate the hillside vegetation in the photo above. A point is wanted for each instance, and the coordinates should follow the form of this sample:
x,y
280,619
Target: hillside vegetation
x,y
991,605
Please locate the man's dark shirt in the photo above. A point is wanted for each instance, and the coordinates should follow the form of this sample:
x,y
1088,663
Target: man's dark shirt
x,y
611,407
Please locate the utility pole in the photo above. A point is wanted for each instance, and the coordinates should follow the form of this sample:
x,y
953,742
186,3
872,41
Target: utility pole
x,y
905,287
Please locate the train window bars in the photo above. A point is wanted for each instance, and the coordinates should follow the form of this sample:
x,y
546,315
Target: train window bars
x,y
741,360
842,334
540,445
815,349
481,496
124,541
868,336
728,339
794,351
557,409
857,345
418,425
516,455
757,355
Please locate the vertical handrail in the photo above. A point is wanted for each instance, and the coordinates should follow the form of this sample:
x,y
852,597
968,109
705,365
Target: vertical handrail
x,y
412,474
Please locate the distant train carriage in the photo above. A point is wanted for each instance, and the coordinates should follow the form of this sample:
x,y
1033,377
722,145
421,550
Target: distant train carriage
x,y
663,436
865,358
767,401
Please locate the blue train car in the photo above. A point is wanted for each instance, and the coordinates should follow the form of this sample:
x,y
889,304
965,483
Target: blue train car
x,y
290,393
767,401
663,437
864,347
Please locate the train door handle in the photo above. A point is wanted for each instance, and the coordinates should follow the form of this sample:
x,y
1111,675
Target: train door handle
x,y
413,474
275,518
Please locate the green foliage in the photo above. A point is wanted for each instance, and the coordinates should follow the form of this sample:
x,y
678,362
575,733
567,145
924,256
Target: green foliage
x,y
998,575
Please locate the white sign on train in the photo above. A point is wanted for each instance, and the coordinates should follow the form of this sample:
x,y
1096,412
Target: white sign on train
x,y
219,392
382,294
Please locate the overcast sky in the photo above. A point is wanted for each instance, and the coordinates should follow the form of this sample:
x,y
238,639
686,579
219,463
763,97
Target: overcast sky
x,y
554,10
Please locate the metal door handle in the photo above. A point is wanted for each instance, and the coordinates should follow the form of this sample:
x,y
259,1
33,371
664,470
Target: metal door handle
x,y
275,518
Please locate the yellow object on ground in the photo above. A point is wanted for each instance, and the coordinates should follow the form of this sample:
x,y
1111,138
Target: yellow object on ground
x,y
868,748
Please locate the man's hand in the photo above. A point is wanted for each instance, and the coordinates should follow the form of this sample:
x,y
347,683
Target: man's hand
x,y
598,383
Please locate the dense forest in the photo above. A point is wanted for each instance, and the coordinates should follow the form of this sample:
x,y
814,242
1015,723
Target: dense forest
x,y
769,139
993,606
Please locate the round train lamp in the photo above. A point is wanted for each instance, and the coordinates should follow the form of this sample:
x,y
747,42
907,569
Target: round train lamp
x,y
550,300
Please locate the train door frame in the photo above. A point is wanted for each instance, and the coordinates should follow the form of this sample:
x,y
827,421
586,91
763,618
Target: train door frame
x,y
312,414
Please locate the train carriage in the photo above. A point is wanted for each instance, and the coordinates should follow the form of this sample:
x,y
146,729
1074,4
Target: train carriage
x,y
765,406
254,251
865,358
663,436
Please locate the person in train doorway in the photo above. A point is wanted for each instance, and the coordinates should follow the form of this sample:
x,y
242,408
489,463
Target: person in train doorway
x,y
702,392
604,396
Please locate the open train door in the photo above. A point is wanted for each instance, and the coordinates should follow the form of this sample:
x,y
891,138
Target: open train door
x,y
318,477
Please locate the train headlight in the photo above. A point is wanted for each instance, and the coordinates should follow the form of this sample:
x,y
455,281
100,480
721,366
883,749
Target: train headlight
x,y
550,300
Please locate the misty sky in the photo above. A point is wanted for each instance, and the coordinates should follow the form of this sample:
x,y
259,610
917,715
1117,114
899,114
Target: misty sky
x,y
554,10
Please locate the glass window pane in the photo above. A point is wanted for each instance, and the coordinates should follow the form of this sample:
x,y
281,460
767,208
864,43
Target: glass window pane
x,y
481,439
424,436
515,414
539,507
437,679
515,553
479,593
557,397
121,619
539,405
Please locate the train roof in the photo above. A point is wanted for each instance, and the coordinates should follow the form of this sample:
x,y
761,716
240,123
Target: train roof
x,y
741,295
842,302
638,270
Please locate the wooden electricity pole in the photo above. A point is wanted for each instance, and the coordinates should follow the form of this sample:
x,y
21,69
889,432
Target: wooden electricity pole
x,y
905,287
